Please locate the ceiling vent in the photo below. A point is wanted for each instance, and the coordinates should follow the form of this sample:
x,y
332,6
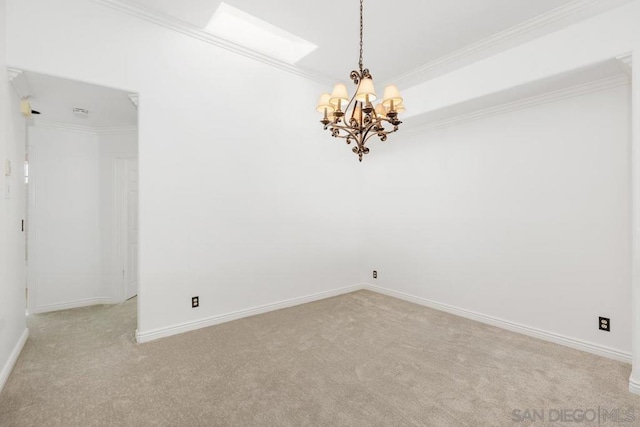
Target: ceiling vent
x,y
80,113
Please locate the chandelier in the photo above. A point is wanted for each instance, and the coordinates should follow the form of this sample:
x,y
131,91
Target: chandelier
x,y
357,119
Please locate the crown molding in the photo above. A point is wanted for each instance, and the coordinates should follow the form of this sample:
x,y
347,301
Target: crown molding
x,y
175,24
134,98
553,96
627,58
553,20
98,130
545,23
115,130
19,82
626,63
47,124
13,73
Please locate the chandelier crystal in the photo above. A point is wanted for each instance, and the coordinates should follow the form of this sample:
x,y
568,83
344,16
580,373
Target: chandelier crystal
x,y
357,119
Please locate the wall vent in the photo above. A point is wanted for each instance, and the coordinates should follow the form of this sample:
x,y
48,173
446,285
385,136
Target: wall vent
x,y
80,113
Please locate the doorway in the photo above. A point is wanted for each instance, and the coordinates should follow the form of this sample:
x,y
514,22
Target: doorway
x,y
82,222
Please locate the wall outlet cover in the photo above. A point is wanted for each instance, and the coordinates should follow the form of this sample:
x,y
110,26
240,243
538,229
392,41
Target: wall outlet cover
x,y
604,324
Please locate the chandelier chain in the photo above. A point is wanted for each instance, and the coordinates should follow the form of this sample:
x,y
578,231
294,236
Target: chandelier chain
x,y
361,31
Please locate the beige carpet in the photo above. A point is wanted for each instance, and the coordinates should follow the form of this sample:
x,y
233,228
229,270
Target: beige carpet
x,y
361,359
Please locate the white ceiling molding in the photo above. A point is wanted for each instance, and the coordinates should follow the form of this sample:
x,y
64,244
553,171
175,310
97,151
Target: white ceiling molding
x,y
13,73
115,130
47,124
626,62
557,95
555,19
106,130
190,30
19,82
134,98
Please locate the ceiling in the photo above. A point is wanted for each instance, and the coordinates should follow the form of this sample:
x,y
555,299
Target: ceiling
x,y
55,98
399,36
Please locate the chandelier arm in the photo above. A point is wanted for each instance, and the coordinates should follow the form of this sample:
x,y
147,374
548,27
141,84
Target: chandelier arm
x,y
351,101
368,138
341,126
366,132
380,134
398,123
375,121
347,130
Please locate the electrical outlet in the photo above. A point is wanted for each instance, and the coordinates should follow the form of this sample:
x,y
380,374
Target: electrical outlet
x,y
375,274
195,302
605,324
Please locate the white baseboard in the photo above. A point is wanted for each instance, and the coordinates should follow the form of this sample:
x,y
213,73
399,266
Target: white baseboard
x,y
73,304
13,358
600,350
578,344
146,336
634,385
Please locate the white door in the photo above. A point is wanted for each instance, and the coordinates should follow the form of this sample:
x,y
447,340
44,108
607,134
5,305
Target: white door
x,y
130,228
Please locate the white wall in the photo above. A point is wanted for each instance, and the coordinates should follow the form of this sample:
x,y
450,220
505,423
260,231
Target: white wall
x,y
235,205
112,146
72,202
64,219
13,330
524,217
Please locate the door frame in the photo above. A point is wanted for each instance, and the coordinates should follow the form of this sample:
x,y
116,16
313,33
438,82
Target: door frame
x,y
120,212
